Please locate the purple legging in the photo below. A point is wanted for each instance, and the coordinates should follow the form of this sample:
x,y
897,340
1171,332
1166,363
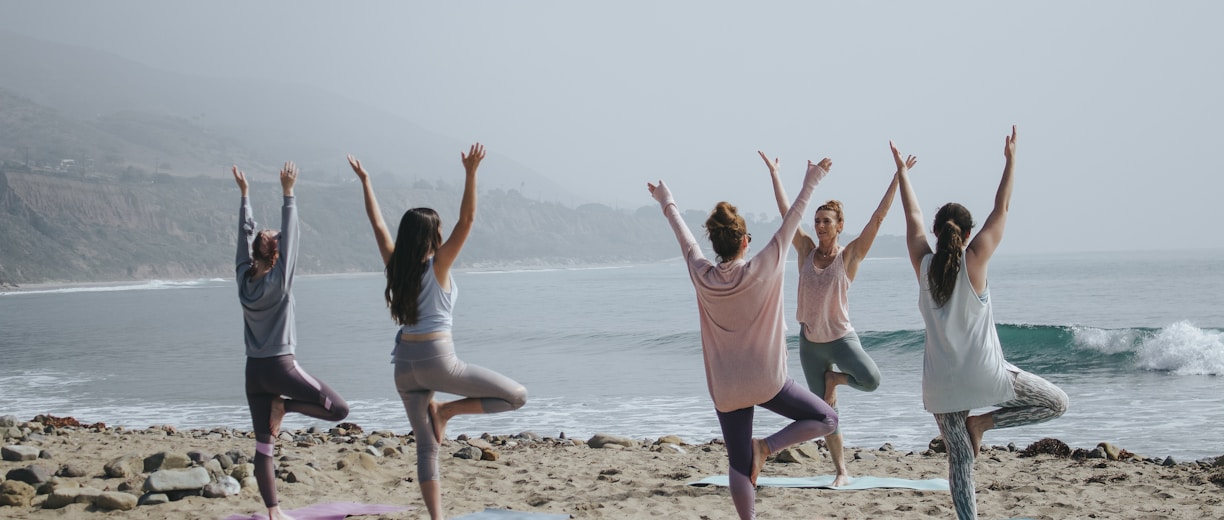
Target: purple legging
x,y
813,418
280,376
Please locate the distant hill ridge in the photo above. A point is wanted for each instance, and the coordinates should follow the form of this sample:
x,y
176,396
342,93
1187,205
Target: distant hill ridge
x,y
111,170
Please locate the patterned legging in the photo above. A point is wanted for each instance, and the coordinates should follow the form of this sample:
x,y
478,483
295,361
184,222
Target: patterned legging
x,y
1037,401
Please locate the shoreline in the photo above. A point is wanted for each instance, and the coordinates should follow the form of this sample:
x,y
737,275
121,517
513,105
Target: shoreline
x,y
626,478
7,288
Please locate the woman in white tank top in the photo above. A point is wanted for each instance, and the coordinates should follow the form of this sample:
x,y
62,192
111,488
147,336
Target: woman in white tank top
x,y
963,365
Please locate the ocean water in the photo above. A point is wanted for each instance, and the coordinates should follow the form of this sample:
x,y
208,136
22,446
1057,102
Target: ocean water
x,y
1135,339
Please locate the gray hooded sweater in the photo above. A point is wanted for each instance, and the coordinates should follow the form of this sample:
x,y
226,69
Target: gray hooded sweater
x,y
267,303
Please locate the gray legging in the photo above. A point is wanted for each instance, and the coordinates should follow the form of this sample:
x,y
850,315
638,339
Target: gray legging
x,y
847,353
1037,401
425,367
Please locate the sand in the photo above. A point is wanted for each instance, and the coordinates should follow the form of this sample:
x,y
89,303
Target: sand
x,y
647,481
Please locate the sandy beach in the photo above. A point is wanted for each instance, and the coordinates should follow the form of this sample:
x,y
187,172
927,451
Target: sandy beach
x,y
557,475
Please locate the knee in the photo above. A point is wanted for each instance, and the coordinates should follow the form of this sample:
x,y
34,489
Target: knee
x,y
518,398
870,382
1060,403
339,411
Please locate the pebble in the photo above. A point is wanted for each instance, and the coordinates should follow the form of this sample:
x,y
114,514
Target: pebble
x,y
63,497
126,465
152,499
603,440
166,480
469,452
115,501
18,453
16,493
34,474
71,471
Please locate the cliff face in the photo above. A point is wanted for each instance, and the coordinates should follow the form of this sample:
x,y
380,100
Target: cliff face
x,y
57,227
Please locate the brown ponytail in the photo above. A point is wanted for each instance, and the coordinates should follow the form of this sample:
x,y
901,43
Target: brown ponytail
x,y
265,249
726,230
951,222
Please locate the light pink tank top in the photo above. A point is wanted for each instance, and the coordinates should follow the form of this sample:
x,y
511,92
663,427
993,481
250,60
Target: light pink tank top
x,y
824,302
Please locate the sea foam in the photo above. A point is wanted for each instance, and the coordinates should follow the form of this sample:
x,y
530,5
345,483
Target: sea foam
x,y
1183,349
1180,348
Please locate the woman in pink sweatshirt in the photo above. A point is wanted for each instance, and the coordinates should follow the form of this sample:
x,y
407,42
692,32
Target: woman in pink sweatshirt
x,y
743,336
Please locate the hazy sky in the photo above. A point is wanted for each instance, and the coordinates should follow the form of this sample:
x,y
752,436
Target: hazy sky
x,y
1118,103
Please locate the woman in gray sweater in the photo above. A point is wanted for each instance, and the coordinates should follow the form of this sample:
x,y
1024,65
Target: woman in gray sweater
x,y
275,384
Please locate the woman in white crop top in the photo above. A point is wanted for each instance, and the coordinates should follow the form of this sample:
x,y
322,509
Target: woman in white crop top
x,y
963,366
826,270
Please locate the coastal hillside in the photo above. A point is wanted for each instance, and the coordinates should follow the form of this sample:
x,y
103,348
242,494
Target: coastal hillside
x,y
66,227
112,170
59,227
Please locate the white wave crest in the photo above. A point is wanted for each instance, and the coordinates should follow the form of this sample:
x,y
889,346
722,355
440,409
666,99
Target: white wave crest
x,y
1183,349
142,286
1105,341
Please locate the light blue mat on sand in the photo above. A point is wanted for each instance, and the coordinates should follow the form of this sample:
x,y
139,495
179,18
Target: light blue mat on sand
x,y
505,514
826,481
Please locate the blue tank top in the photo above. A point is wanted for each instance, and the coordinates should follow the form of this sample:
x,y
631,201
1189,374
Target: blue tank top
x,y
433,304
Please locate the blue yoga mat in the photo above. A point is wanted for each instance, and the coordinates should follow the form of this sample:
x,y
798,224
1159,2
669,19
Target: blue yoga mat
x,y
826,482
506,514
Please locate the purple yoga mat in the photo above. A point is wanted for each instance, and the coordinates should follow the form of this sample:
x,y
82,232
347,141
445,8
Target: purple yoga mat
x,y
329,511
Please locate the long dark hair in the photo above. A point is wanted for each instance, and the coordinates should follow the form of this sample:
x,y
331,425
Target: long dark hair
x,y
726,229
951,222
419,235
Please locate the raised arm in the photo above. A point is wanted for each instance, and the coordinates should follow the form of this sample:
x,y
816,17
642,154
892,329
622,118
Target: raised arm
x,y
802,241
794,215
290,231
246,226
386,245
915,236
983,246
446,254
857,249
688,245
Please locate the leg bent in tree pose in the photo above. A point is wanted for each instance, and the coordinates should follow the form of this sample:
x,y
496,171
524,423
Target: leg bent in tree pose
x,y
857,370
746,456
281,379
425,367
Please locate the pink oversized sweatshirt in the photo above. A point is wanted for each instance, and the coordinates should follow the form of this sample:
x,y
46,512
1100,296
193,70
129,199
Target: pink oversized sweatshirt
x,y
743,335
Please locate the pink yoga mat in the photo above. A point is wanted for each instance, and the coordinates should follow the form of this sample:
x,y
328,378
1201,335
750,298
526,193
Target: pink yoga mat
x,y
329,511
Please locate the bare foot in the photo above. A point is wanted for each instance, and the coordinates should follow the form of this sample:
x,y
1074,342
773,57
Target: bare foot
x,y
832,379
841,479
278,414
977,425
760,452
436,420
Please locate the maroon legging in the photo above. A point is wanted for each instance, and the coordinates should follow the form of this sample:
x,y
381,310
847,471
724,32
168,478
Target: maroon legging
x,y
280,376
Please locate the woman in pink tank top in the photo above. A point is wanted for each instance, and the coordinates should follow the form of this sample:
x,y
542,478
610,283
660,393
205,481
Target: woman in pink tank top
x,y
826,270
